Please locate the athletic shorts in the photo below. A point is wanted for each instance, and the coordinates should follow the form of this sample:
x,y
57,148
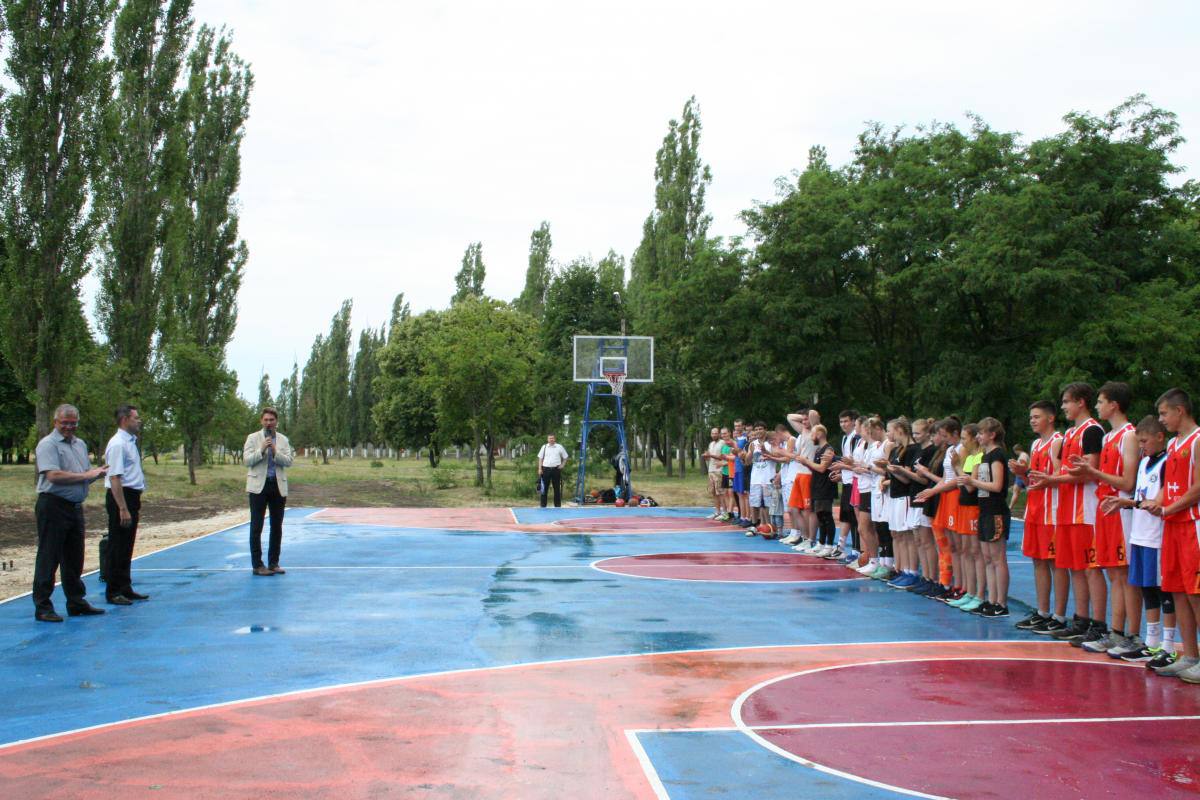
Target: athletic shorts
x,y
1181,557
1143,566
966,520
758,495
994,526
714,484
1110,541
879,506
897,514
801,494
739,482
1073,546
1039,539
916,516
947,510
725,482
926,521
864,502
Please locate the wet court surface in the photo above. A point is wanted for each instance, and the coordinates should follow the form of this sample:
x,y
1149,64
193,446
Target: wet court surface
x,y
642,653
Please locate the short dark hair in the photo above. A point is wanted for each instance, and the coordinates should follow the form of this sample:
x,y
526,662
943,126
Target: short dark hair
x,y
1176,397
1118,393
1080,391
759,424
123,412
951,425
268,410
849,413
1044,405
1151,426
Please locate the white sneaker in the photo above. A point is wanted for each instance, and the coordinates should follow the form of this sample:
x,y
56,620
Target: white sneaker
x,y
818,551
791,538
867,569
751,532
808,546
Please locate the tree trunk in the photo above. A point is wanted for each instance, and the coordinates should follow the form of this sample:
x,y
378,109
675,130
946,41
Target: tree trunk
x,y
491,459
194,449
683,451
42,413
324,454
478,460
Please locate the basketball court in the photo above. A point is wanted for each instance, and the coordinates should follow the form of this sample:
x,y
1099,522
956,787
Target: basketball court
x,y
550,653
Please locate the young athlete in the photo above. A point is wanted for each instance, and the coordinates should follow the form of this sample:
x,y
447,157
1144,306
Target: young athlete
x,y
801,493
864,484
1038,544
762,472
727,468
847,514
1179,507
741,474
1115,476
945,489
1076,515
966,522
713,461
824,492
1145,542
877,458
990,482
902,458
925,547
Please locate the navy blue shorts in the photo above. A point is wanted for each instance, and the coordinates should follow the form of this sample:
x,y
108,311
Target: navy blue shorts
x,y
739,482
1143,566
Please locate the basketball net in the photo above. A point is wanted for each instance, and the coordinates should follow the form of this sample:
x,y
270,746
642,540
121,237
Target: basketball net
x,y
616,380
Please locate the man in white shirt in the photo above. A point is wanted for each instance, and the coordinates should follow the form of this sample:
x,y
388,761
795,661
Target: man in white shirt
x,y
125,483
551,459
715,461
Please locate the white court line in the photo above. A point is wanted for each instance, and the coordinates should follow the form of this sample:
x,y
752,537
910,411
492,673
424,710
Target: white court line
x,y
752,732
595,565
502,668
656,783
926,723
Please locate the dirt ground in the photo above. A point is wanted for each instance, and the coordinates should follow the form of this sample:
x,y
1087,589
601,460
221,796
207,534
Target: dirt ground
x,y
168,522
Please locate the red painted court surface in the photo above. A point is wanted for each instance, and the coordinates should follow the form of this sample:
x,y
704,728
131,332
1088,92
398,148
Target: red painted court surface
x,y
986,728
560,730
728,567
642,524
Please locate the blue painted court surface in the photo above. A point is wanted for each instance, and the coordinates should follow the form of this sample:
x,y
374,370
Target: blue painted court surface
x,y
375,603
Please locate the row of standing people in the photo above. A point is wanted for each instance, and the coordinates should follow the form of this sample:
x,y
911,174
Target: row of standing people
x,y
1111,516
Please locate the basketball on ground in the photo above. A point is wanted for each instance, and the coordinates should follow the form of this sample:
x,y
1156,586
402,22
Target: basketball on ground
x,y
620,502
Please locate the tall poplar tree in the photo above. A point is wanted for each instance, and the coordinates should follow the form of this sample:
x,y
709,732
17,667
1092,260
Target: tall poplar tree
x,y
469,280
537,276
333,398
150,40
203,254
60,82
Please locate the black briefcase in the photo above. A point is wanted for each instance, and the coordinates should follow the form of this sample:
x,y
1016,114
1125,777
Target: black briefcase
x,y
104,559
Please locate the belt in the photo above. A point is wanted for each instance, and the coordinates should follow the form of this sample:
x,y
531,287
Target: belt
x,y
60,500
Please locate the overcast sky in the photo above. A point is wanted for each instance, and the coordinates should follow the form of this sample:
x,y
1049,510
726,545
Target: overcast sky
x,y
384,137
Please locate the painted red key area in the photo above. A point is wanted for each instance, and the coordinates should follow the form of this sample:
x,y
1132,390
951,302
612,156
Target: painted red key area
x,y
728,567
993,754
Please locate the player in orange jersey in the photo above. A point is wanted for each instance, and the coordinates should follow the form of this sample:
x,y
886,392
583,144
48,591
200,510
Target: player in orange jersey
x,y
1038,543
1115,477
1076,516
1179,506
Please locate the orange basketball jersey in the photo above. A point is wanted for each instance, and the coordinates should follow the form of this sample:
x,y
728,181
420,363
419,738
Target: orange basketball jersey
x,y
1178,472
1076,501
1112,459
1040,503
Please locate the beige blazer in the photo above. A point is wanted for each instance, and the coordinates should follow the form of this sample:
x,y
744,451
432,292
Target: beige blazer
x,y
256,462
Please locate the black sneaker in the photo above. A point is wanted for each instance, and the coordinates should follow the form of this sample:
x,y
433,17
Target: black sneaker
x,y
982,610
1161,659
1143,653
1048,627
1077,627
1030,622
1095,631
996,612
938,592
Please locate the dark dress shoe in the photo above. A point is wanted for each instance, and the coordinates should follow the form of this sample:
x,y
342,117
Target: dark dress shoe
x,y
132,595
263,571
278,570
47,616
119,600
86,610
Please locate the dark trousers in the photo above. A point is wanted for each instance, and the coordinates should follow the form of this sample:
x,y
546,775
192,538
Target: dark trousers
x,y
552,476
850,516
60,549
826,527
268,498
119,552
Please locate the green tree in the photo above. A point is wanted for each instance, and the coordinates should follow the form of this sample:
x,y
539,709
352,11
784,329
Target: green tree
x,y
362,388
405,410
333,400
193,384
16,418
203,255
537,275
469,280
264,391
480,369
60,83
149,44
400,313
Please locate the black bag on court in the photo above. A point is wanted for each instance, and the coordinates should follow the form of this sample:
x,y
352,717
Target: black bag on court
x,y
104,558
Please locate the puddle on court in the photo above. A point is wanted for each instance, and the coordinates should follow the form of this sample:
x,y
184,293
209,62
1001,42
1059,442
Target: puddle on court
x,y
257,629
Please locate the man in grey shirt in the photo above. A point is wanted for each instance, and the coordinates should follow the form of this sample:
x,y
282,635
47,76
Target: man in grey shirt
x,y
64,474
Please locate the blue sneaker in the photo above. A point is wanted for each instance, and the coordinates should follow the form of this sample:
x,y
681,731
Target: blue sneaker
x,y
905,580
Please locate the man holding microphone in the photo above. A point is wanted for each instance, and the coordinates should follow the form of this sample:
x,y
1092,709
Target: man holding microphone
x,y
267,454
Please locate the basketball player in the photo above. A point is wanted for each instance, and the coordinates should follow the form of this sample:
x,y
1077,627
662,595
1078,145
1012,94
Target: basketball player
x,y
1038,544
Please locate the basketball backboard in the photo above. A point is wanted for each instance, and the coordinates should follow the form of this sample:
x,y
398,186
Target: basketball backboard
x,y
595,355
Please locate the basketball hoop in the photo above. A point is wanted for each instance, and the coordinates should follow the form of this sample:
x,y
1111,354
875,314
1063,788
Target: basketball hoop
x,y
616,381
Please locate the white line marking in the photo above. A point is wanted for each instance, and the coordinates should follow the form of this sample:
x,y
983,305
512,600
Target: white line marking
x,y
513,513
656,783
922,723
502,667
752,732
595,565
